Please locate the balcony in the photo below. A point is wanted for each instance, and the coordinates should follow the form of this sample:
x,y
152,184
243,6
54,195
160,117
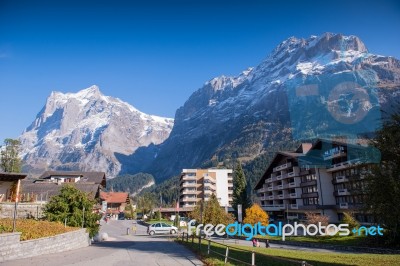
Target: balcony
x,y
273,207
188,199
293,184
270,188
294,206
281,167
343,192
334,154
189,185
308,183
268,180
279,177
291,174
188,177
263,189
340,179
343,165
189,191
293,195
344,205
271,197
304,172
281,196
280,186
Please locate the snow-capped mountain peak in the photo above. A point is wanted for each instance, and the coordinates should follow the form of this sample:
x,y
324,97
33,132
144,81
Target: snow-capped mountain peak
x,y
84,130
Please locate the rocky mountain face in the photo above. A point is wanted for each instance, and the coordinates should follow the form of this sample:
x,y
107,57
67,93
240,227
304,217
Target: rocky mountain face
x,y
305,88
323,86
87,131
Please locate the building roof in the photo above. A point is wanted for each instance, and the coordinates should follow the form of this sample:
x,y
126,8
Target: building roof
x,y
12,176
114,197
87,177
49,189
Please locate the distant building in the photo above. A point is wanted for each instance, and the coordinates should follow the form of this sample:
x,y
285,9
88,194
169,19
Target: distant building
x,y
116,201
10,186
199,184
326,178
50,183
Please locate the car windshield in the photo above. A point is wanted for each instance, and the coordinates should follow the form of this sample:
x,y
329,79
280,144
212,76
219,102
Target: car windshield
x,y
165,225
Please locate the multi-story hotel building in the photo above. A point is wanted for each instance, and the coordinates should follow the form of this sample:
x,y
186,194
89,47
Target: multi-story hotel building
x,y
326,178
199,184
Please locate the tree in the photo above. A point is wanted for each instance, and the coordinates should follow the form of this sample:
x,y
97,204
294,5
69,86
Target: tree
x,y
348,218
256,214
212,213
146,203
240,189
75,207
315,218
383,183
9,156
157,215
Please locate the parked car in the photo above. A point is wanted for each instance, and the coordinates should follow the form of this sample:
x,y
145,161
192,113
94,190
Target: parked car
x,y
161,228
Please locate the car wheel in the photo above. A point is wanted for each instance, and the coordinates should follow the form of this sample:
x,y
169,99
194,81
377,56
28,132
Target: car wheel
x,y
151,233
173,231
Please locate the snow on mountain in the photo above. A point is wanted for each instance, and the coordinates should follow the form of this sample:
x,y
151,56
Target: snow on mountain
x,y
86,130
243,116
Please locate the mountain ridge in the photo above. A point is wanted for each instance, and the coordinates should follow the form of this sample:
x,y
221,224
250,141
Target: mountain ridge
x,y
84,130
241,117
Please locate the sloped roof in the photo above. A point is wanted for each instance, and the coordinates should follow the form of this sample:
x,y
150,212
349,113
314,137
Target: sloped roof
x,y
11,176
114,197
87,177
51,189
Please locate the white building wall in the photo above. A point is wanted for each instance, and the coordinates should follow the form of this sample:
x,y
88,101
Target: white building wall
x,y
222,185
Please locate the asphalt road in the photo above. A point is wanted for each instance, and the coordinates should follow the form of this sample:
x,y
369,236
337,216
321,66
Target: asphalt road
x,y
120,249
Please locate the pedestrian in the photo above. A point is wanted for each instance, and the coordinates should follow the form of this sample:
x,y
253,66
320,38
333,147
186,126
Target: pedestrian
x,y
254,242
257,243
267,243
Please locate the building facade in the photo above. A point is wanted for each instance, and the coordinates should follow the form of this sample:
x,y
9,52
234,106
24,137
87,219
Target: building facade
x,y
200,184
327,178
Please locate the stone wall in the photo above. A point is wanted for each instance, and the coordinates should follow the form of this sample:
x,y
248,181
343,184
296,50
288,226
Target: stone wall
x,y
24,210
12,248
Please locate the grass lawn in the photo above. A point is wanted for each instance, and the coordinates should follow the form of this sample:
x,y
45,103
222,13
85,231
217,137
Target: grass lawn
x,y
350,240
32,229
272,256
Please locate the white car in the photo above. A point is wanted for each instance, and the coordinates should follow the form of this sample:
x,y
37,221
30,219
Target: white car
x,y
161,228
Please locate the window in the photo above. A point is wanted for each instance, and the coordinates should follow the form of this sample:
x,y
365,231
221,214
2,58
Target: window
x,y
310,189
308,178
310,201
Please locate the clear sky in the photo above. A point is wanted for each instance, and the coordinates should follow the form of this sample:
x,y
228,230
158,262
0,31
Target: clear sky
x,y
153,54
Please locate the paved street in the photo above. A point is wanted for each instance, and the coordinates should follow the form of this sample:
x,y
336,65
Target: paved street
x,y
121,249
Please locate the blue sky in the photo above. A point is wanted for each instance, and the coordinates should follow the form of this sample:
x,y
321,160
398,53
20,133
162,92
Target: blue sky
x,y
153,54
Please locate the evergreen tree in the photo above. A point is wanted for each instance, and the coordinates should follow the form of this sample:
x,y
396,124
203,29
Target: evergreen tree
x,y
75,207
240,190
9,156
383,184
